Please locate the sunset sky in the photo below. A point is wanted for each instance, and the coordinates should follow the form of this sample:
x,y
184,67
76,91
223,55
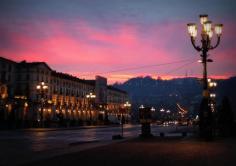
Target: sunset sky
x,y
118,39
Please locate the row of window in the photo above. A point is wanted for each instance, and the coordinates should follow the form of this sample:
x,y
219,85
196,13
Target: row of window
x,y
5,67
68,84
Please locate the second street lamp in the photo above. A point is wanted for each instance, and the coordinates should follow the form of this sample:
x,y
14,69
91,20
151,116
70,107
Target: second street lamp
x,y
206,45
42,89
127,106
90,97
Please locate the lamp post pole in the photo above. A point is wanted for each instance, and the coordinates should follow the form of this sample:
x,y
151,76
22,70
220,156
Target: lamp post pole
x,y
206,45
41,88
127,105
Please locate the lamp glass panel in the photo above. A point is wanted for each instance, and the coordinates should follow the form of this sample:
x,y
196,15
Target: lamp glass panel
x,y
218,29
203,19
207,26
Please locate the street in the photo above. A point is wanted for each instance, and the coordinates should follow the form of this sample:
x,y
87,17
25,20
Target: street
x,y
22,146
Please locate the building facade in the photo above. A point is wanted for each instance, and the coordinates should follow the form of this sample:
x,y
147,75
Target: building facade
x,y
63,99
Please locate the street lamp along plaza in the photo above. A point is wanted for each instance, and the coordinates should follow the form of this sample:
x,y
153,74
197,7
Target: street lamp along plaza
x,y
153,109
127,106
42,89
207,32
90,97
141,107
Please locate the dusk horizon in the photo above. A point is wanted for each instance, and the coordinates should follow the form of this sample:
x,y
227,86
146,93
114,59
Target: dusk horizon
x,y
120,80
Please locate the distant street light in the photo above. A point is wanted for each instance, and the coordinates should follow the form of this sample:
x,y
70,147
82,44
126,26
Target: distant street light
x,y
212,95
212,86
162,110
153,109
141,107
206,45
127,104
91,95
42,89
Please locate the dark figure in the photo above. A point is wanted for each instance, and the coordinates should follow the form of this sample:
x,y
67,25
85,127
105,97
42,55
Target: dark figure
x,y
225,118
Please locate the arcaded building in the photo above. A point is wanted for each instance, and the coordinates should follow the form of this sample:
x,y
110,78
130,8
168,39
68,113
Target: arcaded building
x,y
62,97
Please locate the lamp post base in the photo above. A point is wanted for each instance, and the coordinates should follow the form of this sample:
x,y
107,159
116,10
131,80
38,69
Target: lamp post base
x,y
146,130
206,120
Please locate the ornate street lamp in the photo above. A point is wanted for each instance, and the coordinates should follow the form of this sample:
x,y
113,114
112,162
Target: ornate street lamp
x,y
42,89
90,97
206,45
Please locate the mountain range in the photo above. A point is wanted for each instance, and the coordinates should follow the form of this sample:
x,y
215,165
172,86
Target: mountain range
x,y
167,93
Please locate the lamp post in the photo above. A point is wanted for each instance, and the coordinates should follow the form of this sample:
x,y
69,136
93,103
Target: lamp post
x,y
153,109
42,89
90,97
206,45
162,111
141,107
212,101
127,105
145,120
212,85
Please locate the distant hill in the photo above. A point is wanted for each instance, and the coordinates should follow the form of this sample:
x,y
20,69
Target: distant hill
x,y
166,93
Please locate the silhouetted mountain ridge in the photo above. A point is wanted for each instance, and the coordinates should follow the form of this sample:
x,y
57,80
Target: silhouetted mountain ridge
x,y
187,91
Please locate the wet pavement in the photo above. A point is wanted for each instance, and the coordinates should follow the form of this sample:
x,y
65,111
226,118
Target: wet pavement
x,y
156,151
22,146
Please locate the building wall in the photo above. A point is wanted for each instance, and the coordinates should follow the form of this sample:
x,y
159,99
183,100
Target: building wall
x,y
115,104
66,94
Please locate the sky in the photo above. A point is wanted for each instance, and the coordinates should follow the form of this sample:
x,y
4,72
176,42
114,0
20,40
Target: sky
x,y
118,39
